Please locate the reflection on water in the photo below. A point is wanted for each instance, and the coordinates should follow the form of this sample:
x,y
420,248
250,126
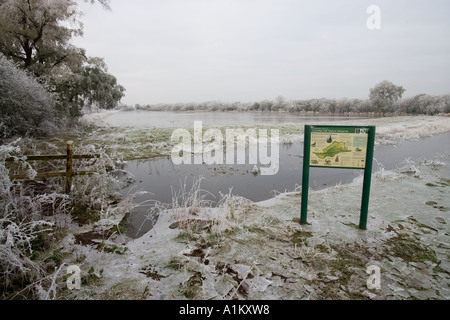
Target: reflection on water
x,y
159,176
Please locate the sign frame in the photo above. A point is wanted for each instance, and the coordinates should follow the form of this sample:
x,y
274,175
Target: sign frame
x,y
367,170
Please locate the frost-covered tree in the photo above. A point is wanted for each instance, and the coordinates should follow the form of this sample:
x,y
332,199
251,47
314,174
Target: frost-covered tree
x,y
384,95
90,85
265,105
444,102
33,34
25,106
279,104
36,35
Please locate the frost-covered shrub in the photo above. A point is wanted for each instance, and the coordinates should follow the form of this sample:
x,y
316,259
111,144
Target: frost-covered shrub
x,y
22,229
190,207
30,219
189,202
93,194
26,108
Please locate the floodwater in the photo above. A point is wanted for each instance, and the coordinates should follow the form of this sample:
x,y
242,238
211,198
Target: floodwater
x,y
162,119
161,177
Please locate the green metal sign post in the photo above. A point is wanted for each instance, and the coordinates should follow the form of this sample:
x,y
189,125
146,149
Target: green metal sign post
x,y
345,147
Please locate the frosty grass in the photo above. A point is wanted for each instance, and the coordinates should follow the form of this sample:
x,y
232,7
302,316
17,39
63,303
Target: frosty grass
x,y
260,251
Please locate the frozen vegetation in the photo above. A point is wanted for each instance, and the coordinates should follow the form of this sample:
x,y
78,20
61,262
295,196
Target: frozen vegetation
x,y
259,251
36,215
239,249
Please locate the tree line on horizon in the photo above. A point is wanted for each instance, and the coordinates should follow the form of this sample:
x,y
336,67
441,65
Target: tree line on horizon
x,y
421,104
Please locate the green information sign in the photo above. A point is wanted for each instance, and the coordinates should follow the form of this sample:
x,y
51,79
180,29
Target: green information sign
x,y
346,147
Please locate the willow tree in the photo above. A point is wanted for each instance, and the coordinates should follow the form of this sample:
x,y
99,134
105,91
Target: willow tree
x,y
384,95
36,35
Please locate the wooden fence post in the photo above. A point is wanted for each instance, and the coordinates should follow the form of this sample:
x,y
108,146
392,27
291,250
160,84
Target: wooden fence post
x,y
69,167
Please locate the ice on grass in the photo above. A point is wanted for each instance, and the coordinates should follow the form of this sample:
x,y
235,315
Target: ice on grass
x,y
263,252
270,256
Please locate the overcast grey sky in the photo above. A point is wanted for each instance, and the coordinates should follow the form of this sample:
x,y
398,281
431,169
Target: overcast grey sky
x,y
167,51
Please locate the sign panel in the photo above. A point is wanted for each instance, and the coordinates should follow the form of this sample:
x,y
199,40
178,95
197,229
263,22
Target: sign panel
x,y
338,147
349,147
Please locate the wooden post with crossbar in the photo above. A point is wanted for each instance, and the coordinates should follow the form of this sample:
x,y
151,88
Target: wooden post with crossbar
x,y
69,166
68,173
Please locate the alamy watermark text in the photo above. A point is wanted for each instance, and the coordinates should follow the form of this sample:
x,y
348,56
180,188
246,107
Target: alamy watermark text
x,y
208,147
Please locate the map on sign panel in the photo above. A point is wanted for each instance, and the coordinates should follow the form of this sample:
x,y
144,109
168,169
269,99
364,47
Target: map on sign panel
x,y
343,147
